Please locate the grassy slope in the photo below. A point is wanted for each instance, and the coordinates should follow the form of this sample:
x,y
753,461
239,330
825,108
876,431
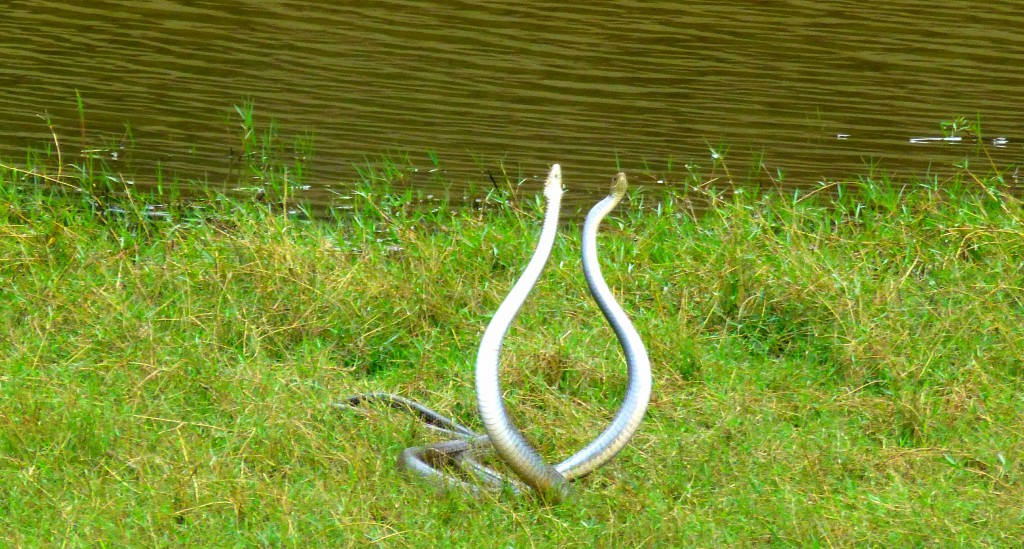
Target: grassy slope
x,y
834,372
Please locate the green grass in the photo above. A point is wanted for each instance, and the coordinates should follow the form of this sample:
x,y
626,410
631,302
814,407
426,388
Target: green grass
x,y
837,369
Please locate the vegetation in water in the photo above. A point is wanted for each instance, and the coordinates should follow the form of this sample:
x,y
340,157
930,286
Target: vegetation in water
x,y
832,368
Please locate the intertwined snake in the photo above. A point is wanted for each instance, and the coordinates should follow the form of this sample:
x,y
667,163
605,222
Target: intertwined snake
x,y
502,436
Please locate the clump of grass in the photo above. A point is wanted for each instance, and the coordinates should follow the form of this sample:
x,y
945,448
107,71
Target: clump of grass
x,y
833,368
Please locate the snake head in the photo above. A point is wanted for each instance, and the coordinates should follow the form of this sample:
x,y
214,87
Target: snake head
x,y
553,186
619,185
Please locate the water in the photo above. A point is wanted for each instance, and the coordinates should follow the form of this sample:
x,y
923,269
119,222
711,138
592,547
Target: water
x,y
791,92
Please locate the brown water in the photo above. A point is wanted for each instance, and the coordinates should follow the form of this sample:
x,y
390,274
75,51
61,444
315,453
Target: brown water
x,y
777,84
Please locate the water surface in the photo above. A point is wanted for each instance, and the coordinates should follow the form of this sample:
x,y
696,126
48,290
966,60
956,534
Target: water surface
x,y
809,90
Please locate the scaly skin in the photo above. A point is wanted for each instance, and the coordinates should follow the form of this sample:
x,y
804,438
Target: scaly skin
x,y
430,461
508,441
638,385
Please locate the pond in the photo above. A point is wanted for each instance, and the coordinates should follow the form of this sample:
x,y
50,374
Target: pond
x,y
788,92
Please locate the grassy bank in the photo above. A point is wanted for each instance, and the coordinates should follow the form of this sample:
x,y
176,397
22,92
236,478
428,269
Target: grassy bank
x,y
840,369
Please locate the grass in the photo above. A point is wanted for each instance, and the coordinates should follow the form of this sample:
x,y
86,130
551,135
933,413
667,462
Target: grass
x,y
835,369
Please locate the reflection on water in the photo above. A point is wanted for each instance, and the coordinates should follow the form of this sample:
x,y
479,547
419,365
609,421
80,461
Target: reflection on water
x,y
813,89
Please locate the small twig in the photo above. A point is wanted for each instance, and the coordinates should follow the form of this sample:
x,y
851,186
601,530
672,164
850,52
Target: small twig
x,y
181,423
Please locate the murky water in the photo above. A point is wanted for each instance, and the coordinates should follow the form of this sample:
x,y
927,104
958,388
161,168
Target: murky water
x,y
815,90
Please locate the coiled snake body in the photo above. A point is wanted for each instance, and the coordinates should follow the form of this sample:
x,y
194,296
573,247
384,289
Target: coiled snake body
x,y
502,436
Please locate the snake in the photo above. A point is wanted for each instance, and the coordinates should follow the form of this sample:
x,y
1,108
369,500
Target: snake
x,y
502,436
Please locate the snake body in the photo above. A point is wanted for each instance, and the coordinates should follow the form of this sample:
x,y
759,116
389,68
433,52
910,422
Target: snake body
x,y
508,442
502,435
639,381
